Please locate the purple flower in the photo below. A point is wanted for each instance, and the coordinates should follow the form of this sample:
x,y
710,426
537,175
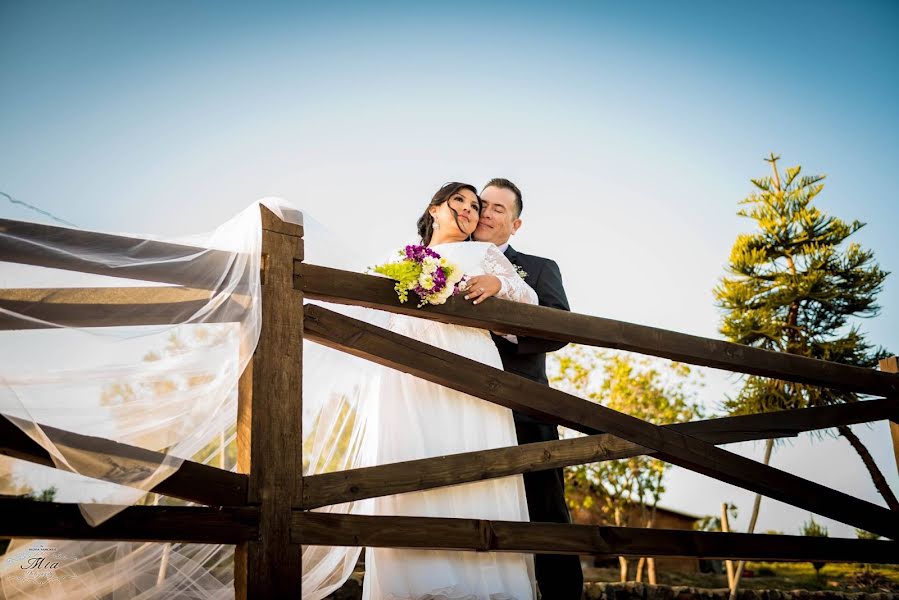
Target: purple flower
x,y
418,252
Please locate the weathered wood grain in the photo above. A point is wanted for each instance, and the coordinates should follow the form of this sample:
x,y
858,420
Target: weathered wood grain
x,y
45,308
345,287
891,365
329,529
193,481
65,248
471,377
21,518
270,423
429,473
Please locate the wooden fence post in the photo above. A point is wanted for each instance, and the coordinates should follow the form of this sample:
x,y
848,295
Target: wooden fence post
x,y
891,365
269,423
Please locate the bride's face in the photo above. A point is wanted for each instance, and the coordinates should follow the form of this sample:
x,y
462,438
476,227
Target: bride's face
x,y
468,209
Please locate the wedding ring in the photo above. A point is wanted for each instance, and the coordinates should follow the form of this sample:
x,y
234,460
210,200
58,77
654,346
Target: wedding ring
x,y
481,290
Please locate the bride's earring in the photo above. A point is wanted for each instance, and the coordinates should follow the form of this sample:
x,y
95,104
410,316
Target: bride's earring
x,y
436,225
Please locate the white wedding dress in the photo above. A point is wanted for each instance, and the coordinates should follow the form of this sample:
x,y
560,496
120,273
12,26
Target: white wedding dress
x,y
416,419
172,388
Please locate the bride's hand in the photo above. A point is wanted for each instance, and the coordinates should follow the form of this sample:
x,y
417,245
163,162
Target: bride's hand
x,y
481,287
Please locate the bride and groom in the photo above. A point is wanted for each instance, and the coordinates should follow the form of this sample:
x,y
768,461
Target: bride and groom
x,y
409,419
439,421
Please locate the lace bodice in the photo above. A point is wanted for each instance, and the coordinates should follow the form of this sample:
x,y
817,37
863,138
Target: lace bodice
x,y
484,258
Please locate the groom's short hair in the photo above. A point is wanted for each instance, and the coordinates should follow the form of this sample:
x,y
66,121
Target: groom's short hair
x,y
505,184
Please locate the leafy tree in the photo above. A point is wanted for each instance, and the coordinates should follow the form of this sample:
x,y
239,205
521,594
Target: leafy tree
x,y
866,535
812,529
661,393
795,285
713,523
47,495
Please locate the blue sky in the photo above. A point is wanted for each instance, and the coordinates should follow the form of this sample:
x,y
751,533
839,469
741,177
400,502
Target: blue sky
x,y
632,128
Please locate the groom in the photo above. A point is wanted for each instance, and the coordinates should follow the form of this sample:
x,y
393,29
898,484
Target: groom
x,y
558,576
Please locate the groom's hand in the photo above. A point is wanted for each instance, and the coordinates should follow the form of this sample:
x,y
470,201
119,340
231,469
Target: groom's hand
x,y
481,287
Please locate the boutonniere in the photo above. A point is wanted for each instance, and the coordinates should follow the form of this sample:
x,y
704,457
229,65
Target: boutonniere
x,y
521,272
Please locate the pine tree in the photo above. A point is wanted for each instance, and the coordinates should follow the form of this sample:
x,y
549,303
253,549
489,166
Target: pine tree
x,y
796,285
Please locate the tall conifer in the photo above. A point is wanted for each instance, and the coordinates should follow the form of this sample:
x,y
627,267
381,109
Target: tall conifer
x,y
796,285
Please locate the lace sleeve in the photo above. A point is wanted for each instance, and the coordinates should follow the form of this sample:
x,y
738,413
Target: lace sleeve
x,y
513,286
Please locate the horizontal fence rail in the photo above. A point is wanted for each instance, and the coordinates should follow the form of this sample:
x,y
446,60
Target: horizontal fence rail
x,y
65,249
429,473
193,481
558,538
471,377
45,308
204,525
344,287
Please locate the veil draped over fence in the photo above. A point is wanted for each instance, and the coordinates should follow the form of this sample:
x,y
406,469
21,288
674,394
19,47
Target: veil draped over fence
x,y
167,388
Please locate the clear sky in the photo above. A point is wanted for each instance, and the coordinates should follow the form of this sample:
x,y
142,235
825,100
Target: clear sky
x,y
632,128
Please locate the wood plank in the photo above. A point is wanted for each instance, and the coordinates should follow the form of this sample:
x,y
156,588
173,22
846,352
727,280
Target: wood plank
x,y
293,226
46,308
529,397
65,249
21,518
330,529
345,287
789,422
270,423
430,473
891,365
192,481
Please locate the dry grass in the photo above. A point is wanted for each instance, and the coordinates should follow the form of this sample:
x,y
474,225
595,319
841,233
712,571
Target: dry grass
x,y
850,577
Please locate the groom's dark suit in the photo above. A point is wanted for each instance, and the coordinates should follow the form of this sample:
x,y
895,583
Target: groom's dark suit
x,y
559,576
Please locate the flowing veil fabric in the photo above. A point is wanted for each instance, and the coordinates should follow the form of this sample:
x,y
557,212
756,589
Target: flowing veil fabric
x,y
171,389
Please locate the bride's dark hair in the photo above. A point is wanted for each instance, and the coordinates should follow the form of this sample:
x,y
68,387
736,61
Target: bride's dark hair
x,y
426,221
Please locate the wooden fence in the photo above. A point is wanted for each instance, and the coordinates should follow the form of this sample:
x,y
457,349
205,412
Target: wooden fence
x,y
264,509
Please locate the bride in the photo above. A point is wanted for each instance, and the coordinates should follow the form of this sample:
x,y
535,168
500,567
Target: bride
x,y
419,419
172,389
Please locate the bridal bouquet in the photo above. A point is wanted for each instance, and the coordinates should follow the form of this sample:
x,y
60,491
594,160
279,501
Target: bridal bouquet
x,y
423,271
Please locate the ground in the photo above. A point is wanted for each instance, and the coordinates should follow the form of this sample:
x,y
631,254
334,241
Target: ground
x,y
764,576
781,576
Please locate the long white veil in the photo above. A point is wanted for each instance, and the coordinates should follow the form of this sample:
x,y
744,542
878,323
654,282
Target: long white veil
x,y
168,388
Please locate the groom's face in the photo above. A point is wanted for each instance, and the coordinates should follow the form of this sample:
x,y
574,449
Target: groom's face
x,y
499,216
